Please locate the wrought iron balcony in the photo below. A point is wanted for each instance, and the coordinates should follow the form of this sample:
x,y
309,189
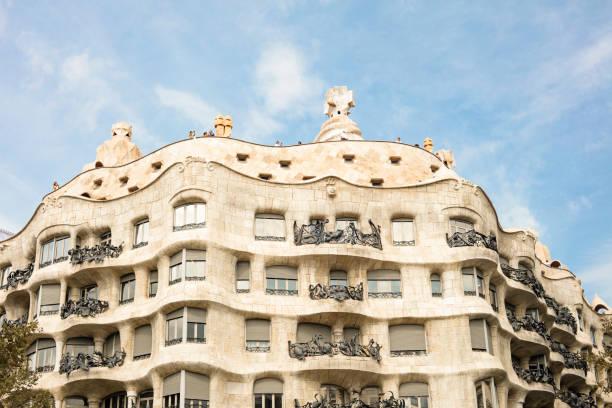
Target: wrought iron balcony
x,y
314,233
82,361
45,369
386,400
258,349
174,341
196,340
528,323
525,277
552,303
472,238
543,376
20,322
95,254
141,357
268,238
317,347
570,360
19,276
286,292
337,292
404,353
83,307
189,226
565,316
575,399
140,244
385,295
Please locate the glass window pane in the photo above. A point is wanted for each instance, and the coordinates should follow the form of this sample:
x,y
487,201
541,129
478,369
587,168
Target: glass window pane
x,y
372,286
258,401
189,214
270,283
200,213
435,287
395,286
243,285
268,401
281,284
468,282
179,216
59,249
278,400
292,284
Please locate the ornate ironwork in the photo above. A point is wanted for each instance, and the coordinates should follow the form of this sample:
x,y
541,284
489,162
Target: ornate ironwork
x,y
387,295
552,303
268,238
82,361
140,244
141,357
403,353
338,292
174,341
258,349
526,277
544,376
95,254
314,233
126,301
570,360
19,276
20,322
189,226
575,399
83,307
195,278
196,340
45,369
472,238
528,323
286,292
565,316
317,347
383,402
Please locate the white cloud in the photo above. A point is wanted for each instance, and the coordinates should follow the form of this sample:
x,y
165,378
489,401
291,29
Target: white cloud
x,y
283,82
596,276
579,204
189,105
516,215
40,57
261,125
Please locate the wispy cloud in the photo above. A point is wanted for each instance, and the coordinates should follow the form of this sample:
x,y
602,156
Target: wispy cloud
x,y
187,104
580,203
596,275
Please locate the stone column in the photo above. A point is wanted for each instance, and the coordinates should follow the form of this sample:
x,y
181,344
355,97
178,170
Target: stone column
x,y
132,396
93,403
163,270
157,382
142,282
32,306
59,403
258,274
98,345
59,350
126,332
63,289
337,332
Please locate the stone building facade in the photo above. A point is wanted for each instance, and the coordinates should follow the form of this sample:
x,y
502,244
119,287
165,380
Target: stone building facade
x,y
216,272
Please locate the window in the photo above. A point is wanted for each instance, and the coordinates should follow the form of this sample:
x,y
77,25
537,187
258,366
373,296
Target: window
x,y
45,355
152,284
145,399
493,296
268,393
351,334
269,227
141,233
342,223
196,386
55,250
473,282
142,342
593,338
5,274
174,327
192,261
128,285
76,345
196,325
415,395
89,292
281,280
407,340
480,334
537,364
31,356
403,231
337,278
243,276
105,239
307,331
112,344
48,299
117,400
579,313
334,395
460,226
486,396
257,335
369,395
384,283
189,216
436,287
75,402
533,313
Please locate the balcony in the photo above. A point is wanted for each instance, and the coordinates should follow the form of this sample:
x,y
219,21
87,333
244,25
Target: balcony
x,y
386,400
575,399
20,322
317,347
314,234
565,316
285,292
543,376
472,238
83,307
19,276
95,254
525,277
337,292
570,360
81,361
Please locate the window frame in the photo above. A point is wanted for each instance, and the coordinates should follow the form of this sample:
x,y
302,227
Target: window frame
x,y
6,270
145,225
269,216
492,388
131,287
432,280
105,238
403,220
477,280
48,250
183,267
493,297
198,206
152,282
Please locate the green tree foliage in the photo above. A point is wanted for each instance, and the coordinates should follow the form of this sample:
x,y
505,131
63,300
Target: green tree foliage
x,y
17,382
601,360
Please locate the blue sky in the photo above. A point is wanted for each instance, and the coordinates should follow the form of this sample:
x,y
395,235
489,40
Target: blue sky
x,y
520,91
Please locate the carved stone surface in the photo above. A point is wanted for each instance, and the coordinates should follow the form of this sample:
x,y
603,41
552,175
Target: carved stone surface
x,y
316,347
314,233
525,277
575,399
19,276
83,307
541,376
338,292
81,361
383,402
96,253
565,316
472,238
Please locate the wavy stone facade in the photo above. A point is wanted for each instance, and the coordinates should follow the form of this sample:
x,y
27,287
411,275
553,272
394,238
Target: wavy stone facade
x,y
275,314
